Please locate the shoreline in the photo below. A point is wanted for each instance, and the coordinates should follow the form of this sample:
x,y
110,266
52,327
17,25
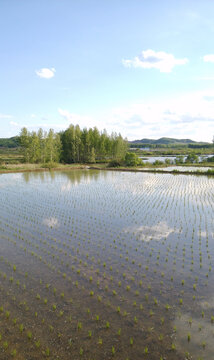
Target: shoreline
x,y
157,170
17,170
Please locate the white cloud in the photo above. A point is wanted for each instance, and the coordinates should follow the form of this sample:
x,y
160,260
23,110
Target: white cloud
x,y
81,120
190,115
208,58
51,222
5,116
157,231
46,73
65,114
13,123
160,60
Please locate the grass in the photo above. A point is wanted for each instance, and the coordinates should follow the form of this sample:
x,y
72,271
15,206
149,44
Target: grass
x,y
24,167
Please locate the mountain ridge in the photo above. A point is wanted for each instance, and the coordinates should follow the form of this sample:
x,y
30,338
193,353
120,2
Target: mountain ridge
x,y
166,141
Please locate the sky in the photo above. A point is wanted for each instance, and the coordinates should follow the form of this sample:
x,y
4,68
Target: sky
x,y
141,68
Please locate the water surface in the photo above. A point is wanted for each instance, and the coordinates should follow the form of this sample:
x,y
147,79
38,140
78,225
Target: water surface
x,y
96,265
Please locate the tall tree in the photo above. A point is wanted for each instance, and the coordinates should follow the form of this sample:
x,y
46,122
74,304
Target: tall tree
x,y
25,144
34,148
41,136
53,146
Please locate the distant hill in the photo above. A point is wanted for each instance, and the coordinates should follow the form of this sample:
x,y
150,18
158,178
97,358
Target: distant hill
x,y
165,141
12,142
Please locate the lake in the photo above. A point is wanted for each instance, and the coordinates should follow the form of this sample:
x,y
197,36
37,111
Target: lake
x,y
102,264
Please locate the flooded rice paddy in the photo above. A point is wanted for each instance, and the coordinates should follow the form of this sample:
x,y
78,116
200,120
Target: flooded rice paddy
x,y
189,168
151,159
182,168
106,265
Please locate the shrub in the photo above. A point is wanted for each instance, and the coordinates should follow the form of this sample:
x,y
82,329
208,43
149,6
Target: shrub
x,y
114,163
49,165
192,158
131,159
158,162
210,172
179,160
210,159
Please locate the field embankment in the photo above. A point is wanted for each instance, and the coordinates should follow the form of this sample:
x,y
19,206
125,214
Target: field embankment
x,y
20,167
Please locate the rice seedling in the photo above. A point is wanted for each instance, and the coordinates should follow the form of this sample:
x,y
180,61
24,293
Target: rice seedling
x,y
173,347
5,345
29,335
13,353
79,325
203,344
161,337
37,344
146,350
7,314
107,325
113,350
100,341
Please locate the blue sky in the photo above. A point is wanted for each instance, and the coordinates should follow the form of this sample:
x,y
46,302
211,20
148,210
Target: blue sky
x,y
141,68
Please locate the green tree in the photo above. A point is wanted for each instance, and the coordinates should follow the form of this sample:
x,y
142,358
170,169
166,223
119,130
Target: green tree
x,y
192,158
41,136
85,145
52,147
92,158
131,159
77,144
179,160
72,145
34,148
25,144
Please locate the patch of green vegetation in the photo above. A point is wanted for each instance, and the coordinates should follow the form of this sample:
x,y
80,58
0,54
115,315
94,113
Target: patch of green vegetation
x,y
12,142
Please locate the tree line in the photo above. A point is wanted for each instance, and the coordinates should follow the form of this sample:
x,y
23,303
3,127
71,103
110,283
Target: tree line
x,y
40,146
71,146
12,142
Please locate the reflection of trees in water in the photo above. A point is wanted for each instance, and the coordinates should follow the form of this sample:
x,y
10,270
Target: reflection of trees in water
x,y
74,176
27,176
